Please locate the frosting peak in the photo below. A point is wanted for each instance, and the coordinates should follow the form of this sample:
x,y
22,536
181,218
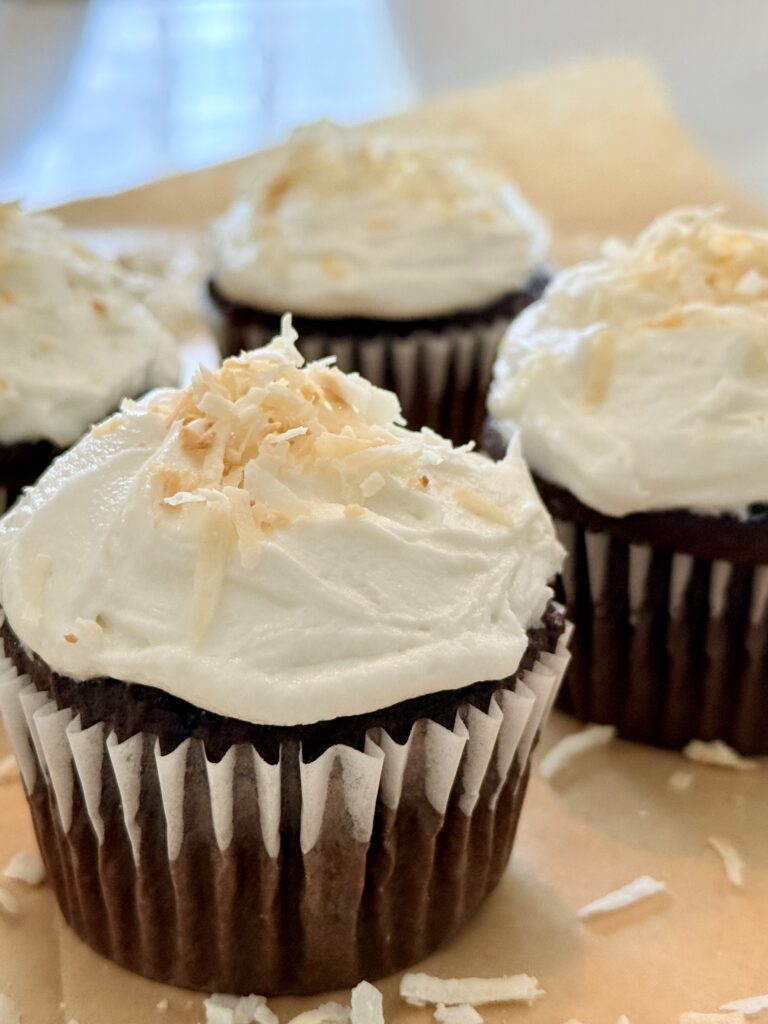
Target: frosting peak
x,y
640,381
74,340
341,222
271,543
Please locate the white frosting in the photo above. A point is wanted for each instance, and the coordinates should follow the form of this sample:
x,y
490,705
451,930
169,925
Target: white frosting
x,y
640,382
74,340
341,223
270,545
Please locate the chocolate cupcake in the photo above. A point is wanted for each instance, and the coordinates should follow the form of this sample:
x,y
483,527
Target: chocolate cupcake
x,y
405,260
639,388
273,691
74,341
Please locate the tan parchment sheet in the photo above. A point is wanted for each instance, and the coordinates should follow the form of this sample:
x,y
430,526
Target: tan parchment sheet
x,y
599,150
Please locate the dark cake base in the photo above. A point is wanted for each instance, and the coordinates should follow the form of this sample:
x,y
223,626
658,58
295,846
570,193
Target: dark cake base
x,y
440,367
240,919
671,624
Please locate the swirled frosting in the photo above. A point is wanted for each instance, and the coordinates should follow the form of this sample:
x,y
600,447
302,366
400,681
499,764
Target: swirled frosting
x,y
343,223
272,545
74,340
639,382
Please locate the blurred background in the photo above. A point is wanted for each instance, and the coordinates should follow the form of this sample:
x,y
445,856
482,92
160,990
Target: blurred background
x,y
96,95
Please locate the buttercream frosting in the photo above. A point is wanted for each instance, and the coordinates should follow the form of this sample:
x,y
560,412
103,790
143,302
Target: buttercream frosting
x,y
74,339
271,544
639,382
339,222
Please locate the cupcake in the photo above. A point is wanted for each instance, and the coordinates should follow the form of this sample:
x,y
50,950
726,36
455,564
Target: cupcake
x,y
406,260
638,386
273,690
73,342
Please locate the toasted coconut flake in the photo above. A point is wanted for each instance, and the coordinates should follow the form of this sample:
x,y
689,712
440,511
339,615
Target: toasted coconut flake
x,y
731,858
421,989
8,903
573,746
9,1011
328,1013
162,1006
600,367
483,507
372,485
8,770
680,782
639,889
692,1017
367,1005
25,867
212,556
718,754
225,1009
749,1007
461,1014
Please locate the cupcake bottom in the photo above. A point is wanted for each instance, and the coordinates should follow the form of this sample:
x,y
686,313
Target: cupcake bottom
x,y
251,867
439,367
669,610
20,465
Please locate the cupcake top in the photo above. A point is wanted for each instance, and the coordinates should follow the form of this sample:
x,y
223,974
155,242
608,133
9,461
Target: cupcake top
x,y
272,545
73,337
340,223
639,382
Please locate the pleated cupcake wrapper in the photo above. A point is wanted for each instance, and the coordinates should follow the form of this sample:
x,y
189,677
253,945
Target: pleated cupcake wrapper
x,y
442,378
668,647
353,865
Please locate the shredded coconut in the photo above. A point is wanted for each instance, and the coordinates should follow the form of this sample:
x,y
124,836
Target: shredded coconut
x,y
718,754
9,1012
8,902
732,861
461,1014
639,889
420,989
571,747
8,772
749,1007
367,1006
25,867
680,782
328,1013
225,1009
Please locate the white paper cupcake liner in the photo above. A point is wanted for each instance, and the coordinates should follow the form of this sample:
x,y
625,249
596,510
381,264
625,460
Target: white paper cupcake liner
x,y
669,647
338,850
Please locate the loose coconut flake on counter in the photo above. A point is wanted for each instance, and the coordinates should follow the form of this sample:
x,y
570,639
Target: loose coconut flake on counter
x,y
366,1005
25,867
571,747
639,889
225,1009
731,858
717,754
8,770
8,903
421,989
749,1007
9,1012
328,1013
463,1013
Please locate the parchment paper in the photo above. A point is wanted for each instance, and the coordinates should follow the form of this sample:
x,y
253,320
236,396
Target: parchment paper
x,y
598,149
